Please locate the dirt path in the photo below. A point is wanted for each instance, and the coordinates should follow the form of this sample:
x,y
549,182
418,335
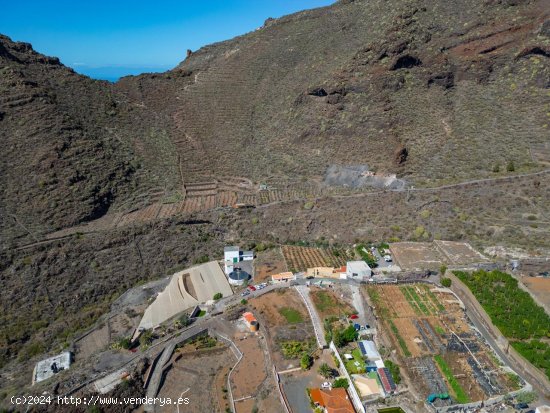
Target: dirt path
x,y
71,231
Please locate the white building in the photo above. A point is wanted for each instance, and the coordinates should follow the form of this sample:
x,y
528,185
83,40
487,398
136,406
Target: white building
x,y
233,255
47,368
358,269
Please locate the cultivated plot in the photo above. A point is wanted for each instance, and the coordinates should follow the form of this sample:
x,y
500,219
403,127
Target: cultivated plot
x,y
436,344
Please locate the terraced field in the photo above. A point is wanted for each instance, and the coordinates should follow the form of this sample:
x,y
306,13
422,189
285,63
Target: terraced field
x,y
436,345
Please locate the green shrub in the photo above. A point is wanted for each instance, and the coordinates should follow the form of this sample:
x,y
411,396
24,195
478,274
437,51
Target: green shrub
x,y
306,362
217,296
446,282
340,382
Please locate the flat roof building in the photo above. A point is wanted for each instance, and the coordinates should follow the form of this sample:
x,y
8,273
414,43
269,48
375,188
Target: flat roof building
x,y
368,350
283,277
358,269
233,255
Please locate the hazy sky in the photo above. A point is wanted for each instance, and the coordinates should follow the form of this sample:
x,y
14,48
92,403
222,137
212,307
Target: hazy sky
x,y
138,34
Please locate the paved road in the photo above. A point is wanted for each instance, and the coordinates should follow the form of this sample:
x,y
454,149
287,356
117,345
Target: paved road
x,y
315,320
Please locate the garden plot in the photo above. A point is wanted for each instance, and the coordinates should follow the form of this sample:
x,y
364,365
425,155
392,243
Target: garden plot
x,y
302,258
436,345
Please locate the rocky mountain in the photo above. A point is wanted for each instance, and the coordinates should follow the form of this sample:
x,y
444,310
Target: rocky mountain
x,y
104,185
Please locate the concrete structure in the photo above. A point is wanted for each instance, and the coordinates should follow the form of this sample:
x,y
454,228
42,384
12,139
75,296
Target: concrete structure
x,y
238,276
186,289
367,386
283,277
47,368
368,350
358,270
332,400
233,255
542,409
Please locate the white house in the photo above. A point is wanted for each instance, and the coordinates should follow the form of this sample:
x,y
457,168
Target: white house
x,y
358,269
233,255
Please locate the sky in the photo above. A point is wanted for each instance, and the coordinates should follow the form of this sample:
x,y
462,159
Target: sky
x,y
107,39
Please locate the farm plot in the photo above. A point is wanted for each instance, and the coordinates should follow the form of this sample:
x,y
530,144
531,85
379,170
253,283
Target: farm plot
x,y
436,345
301,258
328,304
288,328
459,253
414,256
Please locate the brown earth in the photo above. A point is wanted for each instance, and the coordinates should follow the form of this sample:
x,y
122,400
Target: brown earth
x,y
540,287
267,264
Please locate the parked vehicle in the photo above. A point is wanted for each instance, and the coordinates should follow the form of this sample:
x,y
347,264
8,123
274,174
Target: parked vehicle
x,y
325,385
251,288
245,293
387,258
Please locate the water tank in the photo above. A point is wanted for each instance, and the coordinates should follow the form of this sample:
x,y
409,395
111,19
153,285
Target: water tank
x,y
254,325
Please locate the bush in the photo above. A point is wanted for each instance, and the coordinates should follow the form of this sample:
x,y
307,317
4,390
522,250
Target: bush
x,y
341,382
443,269
394,371
325,370
217,296
184,320
306,362
201,260
510,167
446,282
124,343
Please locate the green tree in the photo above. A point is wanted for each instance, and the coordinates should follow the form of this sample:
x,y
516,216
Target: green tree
x,y
217,296
338,338
306,362
510,167
125,343
184,320
325,370
443,269
341,382
446,282
350,334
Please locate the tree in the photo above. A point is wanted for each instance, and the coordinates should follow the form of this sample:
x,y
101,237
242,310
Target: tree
x,y
446,282
184,320
510,167
217,296
338,338
306,362
350,334
443,269
341,382
125,343
325,370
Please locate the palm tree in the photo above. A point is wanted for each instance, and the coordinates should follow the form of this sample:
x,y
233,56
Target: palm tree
x,y
324,370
